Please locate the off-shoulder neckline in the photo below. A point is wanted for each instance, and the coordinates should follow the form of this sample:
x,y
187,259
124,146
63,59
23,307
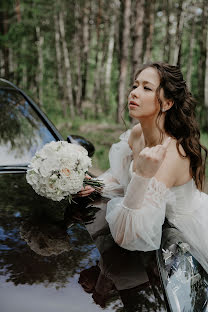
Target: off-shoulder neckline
x,y
191,180
176,186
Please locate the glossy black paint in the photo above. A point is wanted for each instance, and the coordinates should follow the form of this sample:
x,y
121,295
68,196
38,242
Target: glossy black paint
x,y
42,251
47,246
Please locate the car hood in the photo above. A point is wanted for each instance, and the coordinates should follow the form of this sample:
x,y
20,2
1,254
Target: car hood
x,y
56,257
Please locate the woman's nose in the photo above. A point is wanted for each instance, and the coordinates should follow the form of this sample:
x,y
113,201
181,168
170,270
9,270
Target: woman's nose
x,y
133,95
135,92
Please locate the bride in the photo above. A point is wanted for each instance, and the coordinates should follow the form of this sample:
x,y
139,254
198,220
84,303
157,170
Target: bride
x,y
157,169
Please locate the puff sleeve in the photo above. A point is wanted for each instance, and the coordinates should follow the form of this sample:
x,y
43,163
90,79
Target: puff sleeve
x,y
136,219
116,178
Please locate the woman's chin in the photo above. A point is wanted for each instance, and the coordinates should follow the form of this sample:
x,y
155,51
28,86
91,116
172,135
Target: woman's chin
x,y
133,114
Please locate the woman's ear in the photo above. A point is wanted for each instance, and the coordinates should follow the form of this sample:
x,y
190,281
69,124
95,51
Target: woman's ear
x,y
167,104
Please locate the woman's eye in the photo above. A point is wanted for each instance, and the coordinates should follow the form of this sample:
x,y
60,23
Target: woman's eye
x,y
134,87
146,88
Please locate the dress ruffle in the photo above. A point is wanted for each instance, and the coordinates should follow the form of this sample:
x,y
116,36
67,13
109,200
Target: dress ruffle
x,y
116,178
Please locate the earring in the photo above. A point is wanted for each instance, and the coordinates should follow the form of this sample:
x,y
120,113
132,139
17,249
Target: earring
x,y
163,110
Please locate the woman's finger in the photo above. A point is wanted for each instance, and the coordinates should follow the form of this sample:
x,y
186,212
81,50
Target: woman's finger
x,y
85,194
86,191
87,176
87,187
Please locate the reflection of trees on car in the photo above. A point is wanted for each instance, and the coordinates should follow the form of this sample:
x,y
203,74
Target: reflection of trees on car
x,y
14,128
19,263
45,239
21,130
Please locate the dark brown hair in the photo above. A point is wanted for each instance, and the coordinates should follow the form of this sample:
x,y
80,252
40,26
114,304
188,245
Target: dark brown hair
x,y
180,119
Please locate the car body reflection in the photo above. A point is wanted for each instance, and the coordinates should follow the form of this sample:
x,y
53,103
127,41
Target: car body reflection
x,y
44,247
132,273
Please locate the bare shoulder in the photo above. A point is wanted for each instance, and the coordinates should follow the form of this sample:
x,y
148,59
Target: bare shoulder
x,y
136,132
173,149
175,169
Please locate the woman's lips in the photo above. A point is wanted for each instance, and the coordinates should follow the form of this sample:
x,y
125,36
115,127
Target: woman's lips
x,y
133,104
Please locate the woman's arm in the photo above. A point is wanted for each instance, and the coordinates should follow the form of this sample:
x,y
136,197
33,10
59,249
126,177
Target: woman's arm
x,y
136,220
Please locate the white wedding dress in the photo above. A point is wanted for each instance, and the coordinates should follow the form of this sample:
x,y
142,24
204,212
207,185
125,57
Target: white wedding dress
x,y
138,207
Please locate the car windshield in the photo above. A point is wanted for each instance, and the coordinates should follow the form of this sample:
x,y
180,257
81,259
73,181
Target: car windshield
x,y
22,132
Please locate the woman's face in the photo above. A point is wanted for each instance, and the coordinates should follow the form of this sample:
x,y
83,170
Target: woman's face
x,y
142,101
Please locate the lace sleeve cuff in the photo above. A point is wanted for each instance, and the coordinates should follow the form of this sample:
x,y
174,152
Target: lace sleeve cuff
x,y
141,187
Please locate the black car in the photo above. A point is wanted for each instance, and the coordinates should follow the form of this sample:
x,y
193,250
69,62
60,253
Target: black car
x,y
58,257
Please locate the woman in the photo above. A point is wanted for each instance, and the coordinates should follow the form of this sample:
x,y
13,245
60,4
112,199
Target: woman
x,y
157,169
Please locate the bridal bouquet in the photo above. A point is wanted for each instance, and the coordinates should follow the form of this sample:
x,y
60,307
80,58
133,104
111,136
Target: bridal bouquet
x,y
58,170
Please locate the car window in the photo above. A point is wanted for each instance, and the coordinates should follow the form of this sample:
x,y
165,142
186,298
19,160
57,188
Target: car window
x,y
22,132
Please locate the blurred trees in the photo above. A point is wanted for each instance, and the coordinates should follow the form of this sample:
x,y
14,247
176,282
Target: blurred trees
x,y
80,57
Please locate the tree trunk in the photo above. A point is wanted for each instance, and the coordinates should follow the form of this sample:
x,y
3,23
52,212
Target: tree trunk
x,y
17,10
1,64
105,37
67,65
78,55
24,68
191,48
138,36
5,49
11,62
148,50
40,41
59,66
124,61
206,85
98,59
206,76
179,31
202,43
166,48
109,64
86,47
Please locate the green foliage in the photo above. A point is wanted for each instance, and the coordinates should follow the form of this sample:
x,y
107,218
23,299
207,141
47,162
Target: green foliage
x,y
22,40
101,133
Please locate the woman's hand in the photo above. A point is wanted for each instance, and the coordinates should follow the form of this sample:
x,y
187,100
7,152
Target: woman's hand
x,y
150,159
87,190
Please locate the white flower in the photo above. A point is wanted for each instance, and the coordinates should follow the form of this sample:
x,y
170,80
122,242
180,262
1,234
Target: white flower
x,y
58,170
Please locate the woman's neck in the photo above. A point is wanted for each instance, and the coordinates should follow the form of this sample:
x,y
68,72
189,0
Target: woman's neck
x,y
151,134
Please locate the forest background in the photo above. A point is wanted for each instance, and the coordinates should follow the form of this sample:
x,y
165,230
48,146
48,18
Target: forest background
x,y
77,58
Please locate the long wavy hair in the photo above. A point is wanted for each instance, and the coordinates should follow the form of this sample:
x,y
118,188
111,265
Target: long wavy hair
x,y
180,119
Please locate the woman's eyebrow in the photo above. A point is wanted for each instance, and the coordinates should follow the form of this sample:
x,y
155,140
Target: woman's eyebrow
x,y
145,82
